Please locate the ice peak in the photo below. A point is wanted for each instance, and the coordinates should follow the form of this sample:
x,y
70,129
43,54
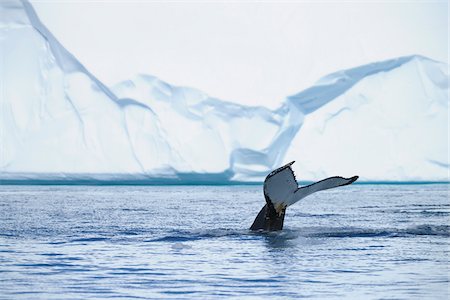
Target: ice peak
x,y
13,14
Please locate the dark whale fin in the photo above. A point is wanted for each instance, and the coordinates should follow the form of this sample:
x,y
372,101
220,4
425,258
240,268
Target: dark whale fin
x,y
268,219
281,190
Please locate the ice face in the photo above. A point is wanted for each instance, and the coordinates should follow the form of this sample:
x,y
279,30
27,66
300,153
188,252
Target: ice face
x,y
385,121
388,127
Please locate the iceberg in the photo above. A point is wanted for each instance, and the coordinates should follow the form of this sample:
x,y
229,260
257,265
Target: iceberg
x,y
389,127
58,123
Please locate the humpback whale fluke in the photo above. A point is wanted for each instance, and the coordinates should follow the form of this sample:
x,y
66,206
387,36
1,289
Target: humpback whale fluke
x,y
281,190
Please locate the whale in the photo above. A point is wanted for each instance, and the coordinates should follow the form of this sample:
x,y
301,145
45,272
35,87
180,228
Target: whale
x,y
281,190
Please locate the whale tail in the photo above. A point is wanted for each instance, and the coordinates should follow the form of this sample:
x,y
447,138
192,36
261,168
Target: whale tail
x,y
268,220
281,190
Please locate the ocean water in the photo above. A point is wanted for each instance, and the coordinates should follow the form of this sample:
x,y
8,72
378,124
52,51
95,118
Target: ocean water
x,y
354,242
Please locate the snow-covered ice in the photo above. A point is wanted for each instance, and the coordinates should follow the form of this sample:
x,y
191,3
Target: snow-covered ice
x,y
385,121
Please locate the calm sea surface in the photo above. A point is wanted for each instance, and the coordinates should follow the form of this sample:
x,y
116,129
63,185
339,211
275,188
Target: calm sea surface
x,y
354,242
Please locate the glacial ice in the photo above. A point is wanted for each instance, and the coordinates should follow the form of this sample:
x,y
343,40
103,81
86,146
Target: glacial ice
x,y
385,121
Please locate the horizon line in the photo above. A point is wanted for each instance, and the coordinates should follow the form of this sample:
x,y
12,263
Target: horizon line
x,y
36,182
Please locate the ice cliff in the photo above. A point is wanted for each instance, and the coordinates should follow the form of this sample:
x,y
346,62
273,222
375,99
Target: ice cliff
x,y
385,121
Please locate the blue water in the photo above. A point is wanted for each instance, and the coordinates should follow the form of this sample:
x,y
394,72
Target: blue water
x,y
355,242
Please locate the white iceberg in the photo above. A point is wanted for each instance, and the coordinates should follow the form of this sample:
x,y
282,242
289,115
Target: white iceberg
x,y
385,121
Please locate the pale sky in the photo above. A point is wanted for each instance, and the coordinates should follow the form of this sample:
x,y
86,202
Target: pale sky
x,y
254,53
